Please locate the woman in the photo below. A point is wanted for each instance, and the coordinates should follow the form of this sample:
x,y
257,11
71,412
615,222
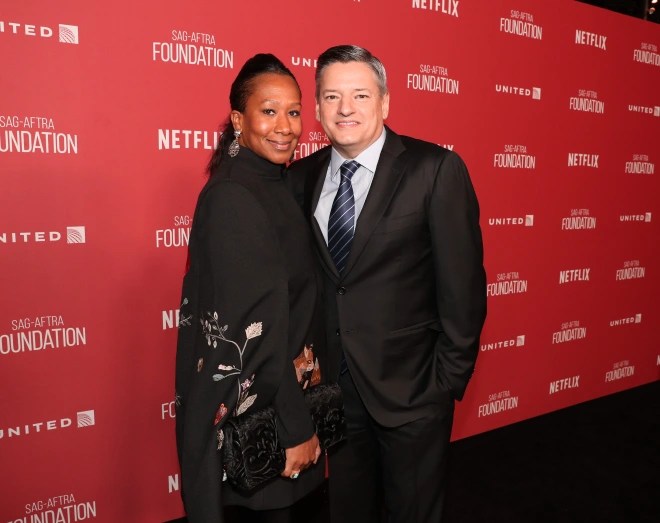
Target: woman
x,y
248,304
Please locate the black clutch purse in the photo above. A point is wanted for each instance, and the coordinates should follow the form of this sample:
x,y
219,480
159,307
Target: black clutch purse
x,y
251,451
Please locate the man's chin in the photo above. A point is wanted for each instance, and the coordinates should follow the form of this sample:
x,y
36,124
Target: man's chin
x,y
344,140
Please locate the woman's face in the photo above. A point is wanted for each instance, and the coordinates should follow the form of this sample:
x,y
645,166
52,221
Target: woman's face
x,y
271,124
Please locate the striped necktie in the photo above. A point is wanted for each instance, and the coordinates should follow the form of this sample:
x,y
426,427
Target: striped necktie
x,y
341,225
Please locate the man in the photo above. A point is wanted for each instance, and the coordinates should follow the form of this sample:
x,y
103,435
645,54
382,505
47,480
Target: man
x,y
396,222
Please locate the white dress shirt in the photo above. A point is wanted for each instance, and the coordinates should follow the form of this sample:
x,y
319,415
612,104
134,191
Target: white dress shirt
x,y
361,182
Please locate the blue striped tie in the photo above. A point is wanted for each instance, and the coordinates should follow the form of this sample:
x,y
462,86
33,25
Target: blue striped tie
x,y
341,225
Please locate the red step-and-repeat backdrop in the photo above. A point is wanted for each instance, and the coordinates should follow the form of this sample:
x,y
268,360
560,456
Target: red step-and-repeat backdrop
x,y
108,115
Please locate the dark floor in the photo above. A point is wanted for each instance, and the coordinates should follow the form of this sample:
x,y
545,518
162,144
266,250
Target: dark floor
x,y
594,462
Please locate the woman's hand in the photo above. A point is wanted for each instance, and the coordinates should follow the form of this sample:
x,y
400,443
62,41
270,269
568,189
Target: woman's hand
x,y
301,456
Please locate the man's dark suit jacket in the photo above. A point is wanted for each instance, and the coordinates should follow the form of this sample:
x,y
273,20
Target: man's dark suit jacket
x,y
409,307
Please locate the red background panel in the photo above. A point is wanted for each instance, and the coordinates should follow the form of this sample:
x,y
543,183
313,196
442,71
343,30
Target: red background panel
x,y
119,289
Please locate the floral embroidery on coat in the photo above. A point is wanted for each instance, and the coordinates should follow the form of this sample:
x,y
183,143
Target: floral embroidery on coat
x,y
184,320
245,401
215,334
220,413
221,440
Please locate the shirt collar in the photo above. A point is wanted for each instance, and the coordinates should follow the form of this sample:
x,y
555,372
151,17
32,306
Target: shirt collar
x,y
367,158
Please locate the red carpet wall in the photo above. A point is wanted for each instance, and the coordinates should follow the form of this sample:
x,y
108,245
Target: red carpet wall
x,y
108,115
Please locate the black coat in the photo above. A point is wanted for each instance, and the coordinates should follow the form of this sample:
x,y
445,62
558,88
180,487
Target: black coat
x,y
410,305
249,306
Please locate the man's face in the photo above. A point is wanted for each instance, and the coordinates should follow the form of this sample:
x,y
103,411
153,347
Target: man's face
x,y
350,107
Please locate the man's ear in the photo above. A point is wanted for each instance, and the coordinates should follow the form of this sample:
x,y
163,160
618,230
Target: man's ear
x,y
386,105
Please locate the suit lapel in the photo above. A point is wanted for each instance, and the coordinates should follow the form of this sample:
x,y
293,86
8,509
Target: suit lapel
x,y
386,179
321,170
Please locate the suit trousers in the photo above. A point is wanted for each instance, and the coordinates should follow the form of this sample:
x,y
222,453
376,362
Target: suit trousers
x,y
388,474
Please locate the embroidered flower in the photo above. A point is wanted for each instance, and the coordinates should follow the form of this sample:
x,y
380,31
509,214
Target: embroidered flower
x,y
215,335
184,321
247,384
245,401
245,404
222,411
200,364
221,439
253,330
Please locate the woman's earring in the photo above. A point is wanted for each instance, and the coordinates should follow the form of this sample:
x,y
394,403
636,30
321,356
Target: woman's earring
x,y
234,147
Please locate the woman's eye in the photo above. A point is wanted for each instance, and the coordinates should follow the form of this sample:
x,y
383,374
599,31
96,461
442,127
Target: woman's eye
x,y
268,111
294,113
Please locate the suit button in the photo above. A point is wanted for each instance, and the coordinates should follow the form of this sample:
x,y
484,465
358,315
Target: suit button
x,y
341,290
337,332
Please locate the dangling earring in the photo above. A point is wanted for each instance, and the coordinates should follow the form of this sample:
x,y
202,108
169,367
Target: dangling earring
x,y
234,147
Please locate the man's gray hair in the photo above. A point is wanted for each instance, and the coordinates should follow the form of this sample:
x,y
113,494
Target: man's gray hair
x,y
351,53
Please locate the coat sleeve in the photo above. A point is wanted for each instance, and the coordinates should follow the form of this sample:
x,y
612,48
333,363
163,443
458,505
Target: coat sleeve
x,y
242,356
460,275
294,422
